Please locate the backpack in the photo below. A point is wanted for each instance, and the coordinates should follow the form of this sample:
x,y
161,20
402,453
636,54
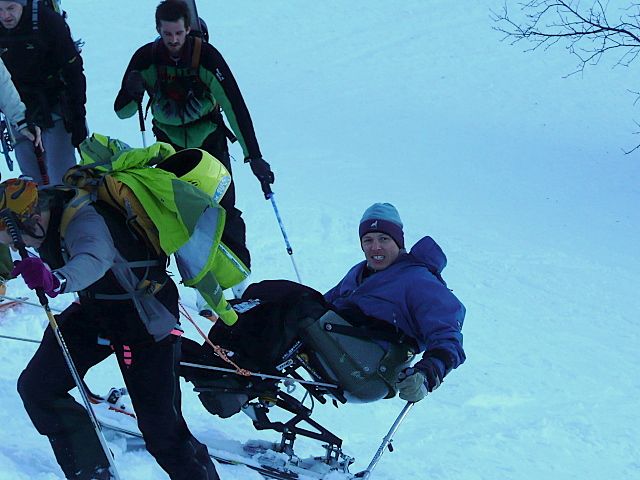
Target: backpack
x,y
179,216
55,6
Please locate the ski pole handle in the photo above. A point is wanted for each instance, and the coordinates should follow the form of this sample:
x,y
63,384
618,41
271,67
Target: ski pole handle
x,y
142,126
141,117
9,217
41,165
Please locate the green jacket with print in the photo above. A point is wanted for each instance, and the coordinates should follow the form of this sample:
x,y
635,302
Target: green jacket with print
x,y
184,100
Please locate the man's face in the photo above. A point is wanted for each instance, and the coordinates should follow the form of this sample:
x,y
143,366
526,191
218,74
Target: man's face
x,y
379,249
173,35
10,14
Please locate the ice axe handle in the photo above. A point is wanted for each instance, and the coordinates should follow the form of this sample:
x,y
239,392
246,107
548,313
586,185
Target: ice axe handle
x,y
266,189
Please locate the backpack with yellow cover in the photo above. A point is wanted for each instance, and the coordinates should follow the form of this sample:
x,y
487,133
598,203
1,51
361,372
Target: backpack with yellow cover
x,y
174,215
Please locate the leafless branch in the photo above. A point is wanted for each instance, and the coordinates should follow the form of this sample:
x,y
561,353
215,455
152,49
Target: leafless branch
x,y
588,32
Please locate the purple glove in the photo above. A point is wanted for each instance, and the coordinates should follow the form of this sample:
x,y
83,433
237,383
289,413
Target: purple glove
x,y
36,275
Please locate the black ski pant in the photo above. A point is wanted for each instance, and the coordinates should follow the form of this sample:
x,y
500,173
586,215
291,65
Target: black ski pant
x,y
234,233
151,378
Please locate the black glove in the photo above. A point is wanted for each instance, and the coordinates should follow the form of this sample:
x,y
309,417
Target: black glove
x,y
262,170
78,132
135,85
433,369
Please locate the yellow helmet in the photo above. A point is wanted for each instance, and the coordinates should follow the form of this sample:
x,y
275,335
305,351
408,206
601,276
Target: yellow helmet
x,y
201,169
20,196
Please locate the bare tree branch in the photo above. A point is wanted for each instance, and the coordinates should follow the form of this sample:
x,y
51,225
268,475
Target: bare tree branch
x,y
588,32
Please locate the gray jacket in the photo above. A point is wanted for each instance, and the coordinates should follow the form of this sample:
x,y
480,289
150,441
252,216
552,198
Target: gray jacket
x,y
92,253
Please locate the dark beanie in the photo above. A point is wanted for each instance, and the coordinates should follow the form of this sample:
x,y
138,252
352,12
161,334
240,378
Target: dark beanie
x,y
21,2
383,218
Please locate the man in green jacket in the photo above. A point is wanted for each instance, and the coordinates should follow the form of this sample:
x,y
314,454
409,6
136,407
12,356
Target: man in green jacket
x,y
189,85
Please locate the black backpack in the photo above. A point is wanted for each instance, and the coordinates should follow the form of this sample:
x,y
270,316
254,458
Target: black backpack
x,y
55,6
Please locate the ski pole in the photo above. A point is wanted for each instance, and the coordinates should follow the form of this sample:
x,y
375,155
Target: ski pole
x,y
386,442
270,196
258,374
9,219
142,126
30,340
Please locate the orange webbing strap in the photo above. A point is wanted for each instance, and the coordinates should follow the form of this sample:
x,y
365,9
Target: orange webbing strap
x,y
221,352
195,58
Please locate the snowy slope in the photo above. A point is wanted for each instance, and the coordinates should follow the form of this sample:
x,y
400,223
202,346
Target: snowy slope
x,y
515,170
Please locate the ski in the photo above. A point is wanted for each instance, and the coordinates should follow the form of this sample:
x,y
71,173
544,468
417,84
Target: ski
x,y
11,304
196,28
116,400
24,300
283,471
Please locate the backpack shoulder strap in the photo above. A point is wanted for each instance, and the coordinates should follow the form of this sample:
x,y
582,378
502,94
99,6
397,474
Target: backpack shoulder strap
x,y
79,200
34,14
194,69
161,69
145,287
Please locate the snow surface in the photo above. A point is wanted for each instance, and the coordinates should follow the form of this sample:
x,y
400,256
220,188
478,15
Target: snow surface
x,y
519,174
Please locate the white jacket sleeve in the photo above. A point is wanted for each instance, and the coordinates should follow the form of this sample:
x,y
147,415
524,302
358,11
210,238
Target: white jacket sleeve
x,y
10,102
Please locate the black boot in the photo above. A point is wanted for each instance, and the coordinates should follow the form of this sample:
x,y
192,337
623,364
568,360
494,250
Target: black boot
x,y
81,456
98,474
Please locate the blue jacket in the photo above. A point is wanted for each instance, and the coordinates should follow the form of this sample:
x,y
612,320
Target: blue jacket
x,y
411,295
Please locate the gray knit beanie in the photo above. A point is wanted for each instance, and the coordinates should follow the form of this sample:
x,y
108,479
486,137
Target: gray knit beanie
x,y
384,218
